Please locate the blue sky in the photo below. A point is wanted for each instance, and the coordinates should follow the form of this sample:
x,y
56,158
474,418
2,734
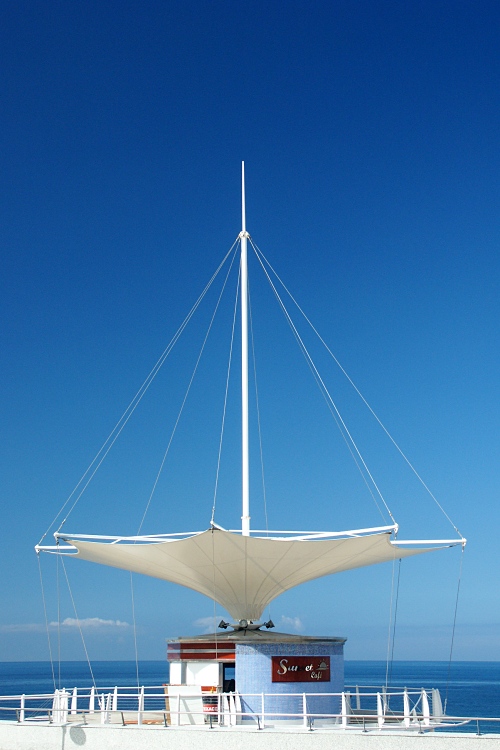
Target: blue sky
x,y
370,133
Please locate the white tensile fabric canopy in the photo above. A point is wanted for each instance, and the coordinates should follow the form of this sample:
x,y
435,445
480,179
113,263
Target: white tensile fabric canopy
x,y
243,573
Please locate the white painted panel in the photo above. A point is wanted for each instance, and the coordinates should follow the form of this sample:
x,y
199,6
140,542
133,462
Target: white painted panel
x,y
176,673
186,704
202,673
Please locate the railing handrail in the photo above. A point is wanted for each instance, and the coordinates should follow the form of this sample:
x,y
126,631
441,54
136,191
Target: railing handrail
x,y
86,692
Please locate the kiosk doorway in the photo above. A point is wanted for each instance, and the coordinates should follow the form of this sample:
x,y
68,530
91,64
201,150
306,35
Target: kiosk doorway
x,y
228,677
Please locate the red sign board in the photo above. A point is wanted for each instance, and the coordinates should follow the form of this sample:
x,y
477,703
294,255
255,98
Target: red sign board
x,y
301,669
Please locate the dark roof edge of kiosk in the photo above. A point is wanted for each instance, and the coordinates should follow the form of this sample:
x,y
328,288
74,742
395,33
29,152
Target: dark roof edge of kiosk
x,y
255,636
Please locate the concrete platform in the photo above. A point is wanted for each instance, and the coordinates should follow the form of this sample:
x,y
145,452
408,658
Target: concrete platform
x,y
15,736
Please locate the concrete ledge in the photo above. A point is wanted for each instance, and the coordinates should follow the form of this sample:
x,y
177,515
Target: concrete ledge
x,y
71,737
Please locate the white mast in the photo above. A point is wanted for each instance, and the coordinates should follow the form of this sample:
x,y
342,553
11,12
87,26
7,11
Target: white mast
x,y
245,487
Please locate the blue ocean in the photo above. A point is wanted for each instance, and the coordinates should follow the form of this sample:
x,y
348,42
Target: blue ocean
x,y
471,688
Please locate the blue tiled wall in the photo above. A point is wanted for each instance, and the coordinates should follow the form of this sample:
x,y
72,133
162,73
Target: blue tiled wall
x,y
253,675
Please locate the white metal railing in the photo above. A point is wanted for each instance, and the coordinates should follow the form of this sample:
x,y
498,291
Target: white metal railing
x,y
361,709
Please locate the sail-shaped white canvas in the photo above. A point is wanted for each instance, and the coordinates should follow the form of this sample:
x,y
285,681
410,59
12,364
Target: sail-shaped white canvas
x,y
244,573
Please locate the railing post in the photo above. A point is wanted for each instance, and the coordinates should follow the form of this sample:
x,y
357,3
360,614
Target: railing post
x,y
406,709
437,706
426,714
107,707
263,713
92,700
344,710
102,706
304,710
55,707
380,711
141,707
21,712
358,699
60,706
64,706
74,702
115,699
232,710
220,709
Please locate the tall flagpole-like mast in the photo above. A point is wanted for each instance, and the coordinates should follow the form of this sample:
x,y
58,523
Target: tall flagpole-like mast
x,y
245,488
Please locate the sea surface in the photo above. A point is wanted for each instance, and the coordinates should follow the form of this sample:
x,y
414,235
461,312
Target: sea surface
x,y
471,688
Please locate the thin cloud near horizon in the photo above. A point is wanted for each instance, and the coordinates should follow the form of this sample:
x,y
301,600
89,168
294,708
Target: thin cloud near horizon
x,y
69,622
